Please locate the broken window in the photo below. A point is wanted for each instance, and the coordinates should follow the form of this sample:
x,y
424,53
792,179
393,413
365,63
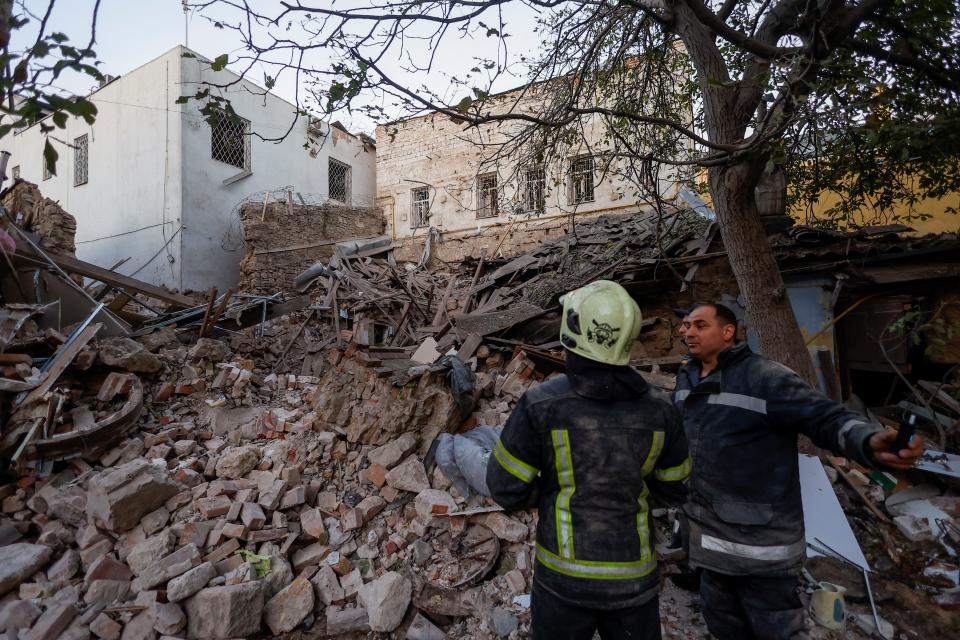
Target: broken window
x,y
16,172
230,140
487,200
421,208
534,182
581,180
339,176
80,160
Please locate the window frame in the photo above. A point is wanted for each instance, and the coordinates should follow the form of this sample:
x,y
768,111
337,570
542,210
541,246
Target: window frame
x,y
216,126
347,180
581,190
488,200
81,142
419,208
534,200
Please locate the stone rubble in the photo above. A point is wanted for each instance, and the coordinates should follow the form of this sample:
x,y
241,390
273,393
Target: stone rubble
x,y
240,508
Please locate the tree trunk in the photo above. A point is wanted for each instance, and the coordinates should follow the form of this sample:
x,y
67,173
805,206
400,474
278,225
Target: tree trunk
x,y
756,270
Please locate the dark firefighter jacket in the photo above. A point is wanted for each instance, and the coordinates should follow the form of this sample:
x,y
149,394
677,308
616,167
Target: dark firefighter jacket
x,y
589,448
742,420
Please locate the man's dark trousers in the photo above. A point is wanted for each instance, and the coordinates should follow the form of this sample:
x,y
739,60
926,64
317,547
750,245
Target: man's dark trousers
x,y
556,619
752,607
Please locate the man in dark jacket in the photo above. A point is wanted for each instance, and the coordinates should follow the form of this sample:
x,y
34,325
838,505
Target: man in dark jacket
x,y
742,413
590,449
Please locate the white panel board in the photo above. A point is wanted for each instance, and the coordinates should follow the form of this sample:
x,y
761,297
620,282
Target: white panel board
x,y
822,515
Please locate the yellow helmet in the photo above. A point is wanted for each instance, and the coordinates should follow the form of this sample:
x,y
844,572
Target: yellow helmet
x,y
600,321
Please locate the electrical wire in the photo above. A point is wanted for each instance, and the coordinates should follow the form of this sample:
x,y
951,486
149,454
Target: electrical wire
x,y
124,233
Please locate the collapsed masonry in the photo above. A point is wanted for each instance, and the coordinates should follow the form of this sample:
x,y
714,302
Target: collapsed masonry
x,y
32,212
282,239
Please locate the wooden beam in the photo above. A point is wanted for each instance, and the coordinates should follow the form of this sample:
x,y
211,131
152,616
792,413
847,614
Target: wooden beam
x,y
62,360
87,270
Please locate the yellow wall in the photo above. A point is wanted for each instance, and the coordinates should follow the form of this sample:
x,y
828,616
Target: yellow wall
x,y
940,221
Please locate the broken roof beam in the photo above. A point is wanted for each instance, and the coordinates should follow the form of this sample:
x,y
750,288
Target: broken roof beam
x,y
88,270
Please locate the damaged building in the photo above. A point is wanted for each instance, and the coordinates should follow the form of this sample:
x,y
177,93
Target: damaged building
x,y
156,186
254,459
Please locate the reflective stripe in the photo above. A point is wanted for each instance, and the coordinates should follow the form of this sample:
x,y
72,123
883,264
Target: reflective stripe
x,y
643,524
847,426
681,395
514,465
739,400
595,570
672,474
655,448
561,450
754,552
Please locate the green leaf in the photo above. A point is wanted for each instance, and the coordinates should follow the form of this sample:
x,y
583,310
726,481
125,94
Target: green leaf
x,y
260,563
269,81
50,156
220,62
5,129
182,100
464,104
60,119
86,110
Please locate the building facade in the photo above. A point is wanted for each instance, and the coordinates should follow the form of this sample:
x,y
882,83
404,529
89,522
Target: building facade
x,y
156,185
434,172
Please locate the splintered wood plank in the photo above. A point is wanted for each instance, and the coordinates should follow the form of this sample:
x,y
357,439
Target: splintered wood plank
x,y
484,324
469,346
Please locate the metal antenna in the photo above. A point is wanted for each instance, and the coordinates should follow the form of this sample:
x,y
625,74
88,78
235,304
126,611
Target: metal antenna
x,y
186,24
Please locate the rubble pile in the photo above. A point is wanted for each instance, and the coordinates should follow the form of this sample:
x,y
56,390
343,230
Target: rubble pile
x,y
223,517
33,212
259,464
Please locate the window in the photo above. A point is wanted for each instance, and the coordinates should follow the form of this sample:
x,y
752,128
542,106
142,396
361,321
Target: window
x,y
230,140
80,157
47,174
488,201
581,180
16,172
421,208
534,181
339,176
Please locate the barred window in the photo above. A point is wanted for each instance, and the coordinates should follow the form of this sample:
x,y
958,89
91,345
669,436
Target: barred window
x,y
421,208
339,176
581,180
81,156
230,140
534,183
16,172
488,196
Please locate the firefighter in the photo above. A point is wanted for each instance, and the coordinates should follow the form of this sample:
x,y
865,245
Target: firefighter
x,y
742,413
591,449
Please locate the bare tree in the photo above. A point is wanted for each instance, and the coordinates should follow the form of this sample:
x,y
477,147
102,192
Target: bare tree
x,y
28,78
737,89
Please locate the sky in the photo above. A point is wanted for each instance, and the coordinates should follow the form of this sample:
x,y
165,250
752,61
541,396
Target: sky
x,y
133,32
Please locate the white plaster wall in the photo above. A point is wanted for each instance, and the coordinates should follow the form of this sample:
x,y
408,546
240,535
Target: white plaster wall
x,y
212,246
432,150
151,171
130,206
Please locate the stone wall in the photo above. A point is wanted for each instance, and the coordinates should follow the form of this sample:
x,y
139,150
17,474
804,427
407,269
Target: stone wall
x,y
287,239
57,228
434,152
505,240
374,410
